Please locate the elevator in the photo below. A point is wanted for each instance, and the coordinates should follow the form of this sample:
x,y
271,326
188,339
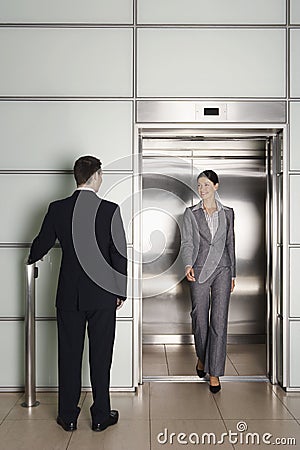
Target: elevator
x,y
249,161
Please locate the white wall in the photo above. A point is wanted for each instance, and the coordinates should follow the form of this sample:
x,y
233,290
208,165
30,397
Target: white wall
x,y
293,319
68,85
212,12
66,62
66,11
211,63
65,91
295,12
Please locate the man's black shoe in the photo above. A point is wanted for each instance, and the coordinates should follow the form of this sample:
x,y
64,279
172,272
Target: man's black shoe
x,y
112,420
67,426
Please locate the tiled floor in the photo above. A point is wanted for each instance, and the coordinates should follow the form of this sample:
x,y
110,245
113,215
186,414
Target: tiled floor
x,y
150,416
163,360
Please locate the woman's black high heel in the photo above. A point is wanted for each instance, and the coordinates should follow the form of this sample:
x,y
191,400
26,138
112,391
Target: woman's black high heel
x,y
200,372
215,389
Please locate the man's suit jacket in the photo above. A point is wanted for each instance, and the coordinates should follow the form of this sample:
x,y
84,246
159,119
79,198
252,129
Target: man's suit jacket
x,y
76,289
199,249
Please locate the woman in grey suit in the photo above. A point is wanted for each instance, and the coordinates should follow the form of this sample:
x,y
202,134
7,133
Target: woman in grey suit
x,y
208,251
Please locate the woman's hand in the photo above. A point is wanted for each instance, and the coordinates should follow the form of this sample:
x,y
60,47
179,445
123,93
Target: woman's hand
x,y
189,273
232,284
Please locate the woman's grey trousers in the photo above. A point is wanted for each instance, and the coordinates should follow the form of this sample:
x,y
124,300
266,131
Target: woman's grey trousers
x,y
210,302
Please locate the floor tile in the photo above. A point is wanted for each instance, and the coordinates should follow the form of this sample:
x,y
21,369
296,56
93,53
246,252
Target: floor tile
x,y
290,399
180,363
131,405
182,401
154,360
7,402
150,369
154,351
125,435
52,398
276,428
230,369
47,409
180,348
43,411
250,401
154,354
249,369
180,360
194,434
154,348
248,359
242,352
33,435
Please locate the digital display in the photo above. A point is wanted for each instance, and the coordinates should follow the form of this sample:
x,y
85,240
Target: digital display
x,y
211,111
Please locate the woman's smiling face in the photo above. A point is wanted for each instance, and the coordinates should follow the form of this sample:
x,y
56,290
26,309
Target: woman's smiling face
x,y
206,188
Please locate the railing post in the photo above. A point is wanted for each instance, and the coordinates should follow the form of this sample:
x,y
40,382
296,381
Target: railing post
x,y
30,394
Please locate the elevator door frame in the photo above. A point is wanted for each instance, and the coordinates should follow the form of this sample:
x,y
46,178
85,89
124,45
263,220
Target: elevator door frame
x,y
277,295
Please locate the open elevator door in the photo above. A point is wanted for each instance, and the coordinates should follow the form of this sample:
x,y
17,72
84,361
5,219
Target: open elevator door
x,y
247,163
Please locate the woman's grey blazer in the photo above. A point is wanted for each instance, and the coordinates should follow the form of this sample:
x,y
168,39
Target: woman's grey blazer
x,y
199,249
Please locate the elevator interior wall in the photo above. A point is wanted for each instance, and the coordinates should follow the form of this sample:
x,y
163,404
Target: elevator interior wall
x,y
170,169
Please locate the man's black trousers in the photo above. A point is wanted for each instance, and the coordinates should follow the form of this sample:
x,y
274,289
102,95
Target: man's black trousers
x,y
71,335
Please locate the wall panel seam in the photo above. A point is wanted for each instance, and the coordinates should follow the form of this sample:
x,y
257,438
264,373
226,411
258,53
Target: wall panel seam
x,y
66,25
212,26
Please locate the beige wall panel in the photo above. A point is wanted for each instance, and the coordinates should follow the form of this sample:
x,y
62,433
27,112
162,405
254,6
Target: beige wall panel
x,y
211,12
294,209
295,11
12,280
294,136
30,195
52,135
295,63
294,354
118,188
294,282
66,11
25,200
46,354
12,354
211,62
122,364
66,62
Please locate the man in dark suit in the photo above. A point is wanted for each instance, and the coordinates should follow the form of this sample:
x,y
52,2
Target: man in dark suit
x,y
91,286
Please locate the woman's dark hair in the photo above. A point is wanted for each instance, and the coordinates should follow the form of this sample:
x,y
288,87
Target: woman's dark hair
x,y
85,167
210,174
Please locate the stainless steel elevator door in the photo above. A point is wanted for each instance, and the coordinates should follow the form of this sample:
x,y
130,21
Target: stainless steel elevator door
x,y
170,169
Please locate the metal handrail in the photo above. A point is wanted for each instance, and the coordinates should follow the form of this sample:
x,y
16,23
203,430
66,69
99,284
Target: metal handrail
x,y
31,272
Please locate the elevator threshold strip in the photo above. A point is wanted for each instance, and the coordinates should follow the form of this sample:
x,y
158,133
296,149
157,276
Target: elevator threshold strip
x,y
195,378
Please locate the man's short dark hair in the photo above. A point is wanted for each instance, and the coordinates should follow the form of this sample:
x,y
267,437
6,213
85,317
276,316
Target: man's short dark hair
x,y
85,167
